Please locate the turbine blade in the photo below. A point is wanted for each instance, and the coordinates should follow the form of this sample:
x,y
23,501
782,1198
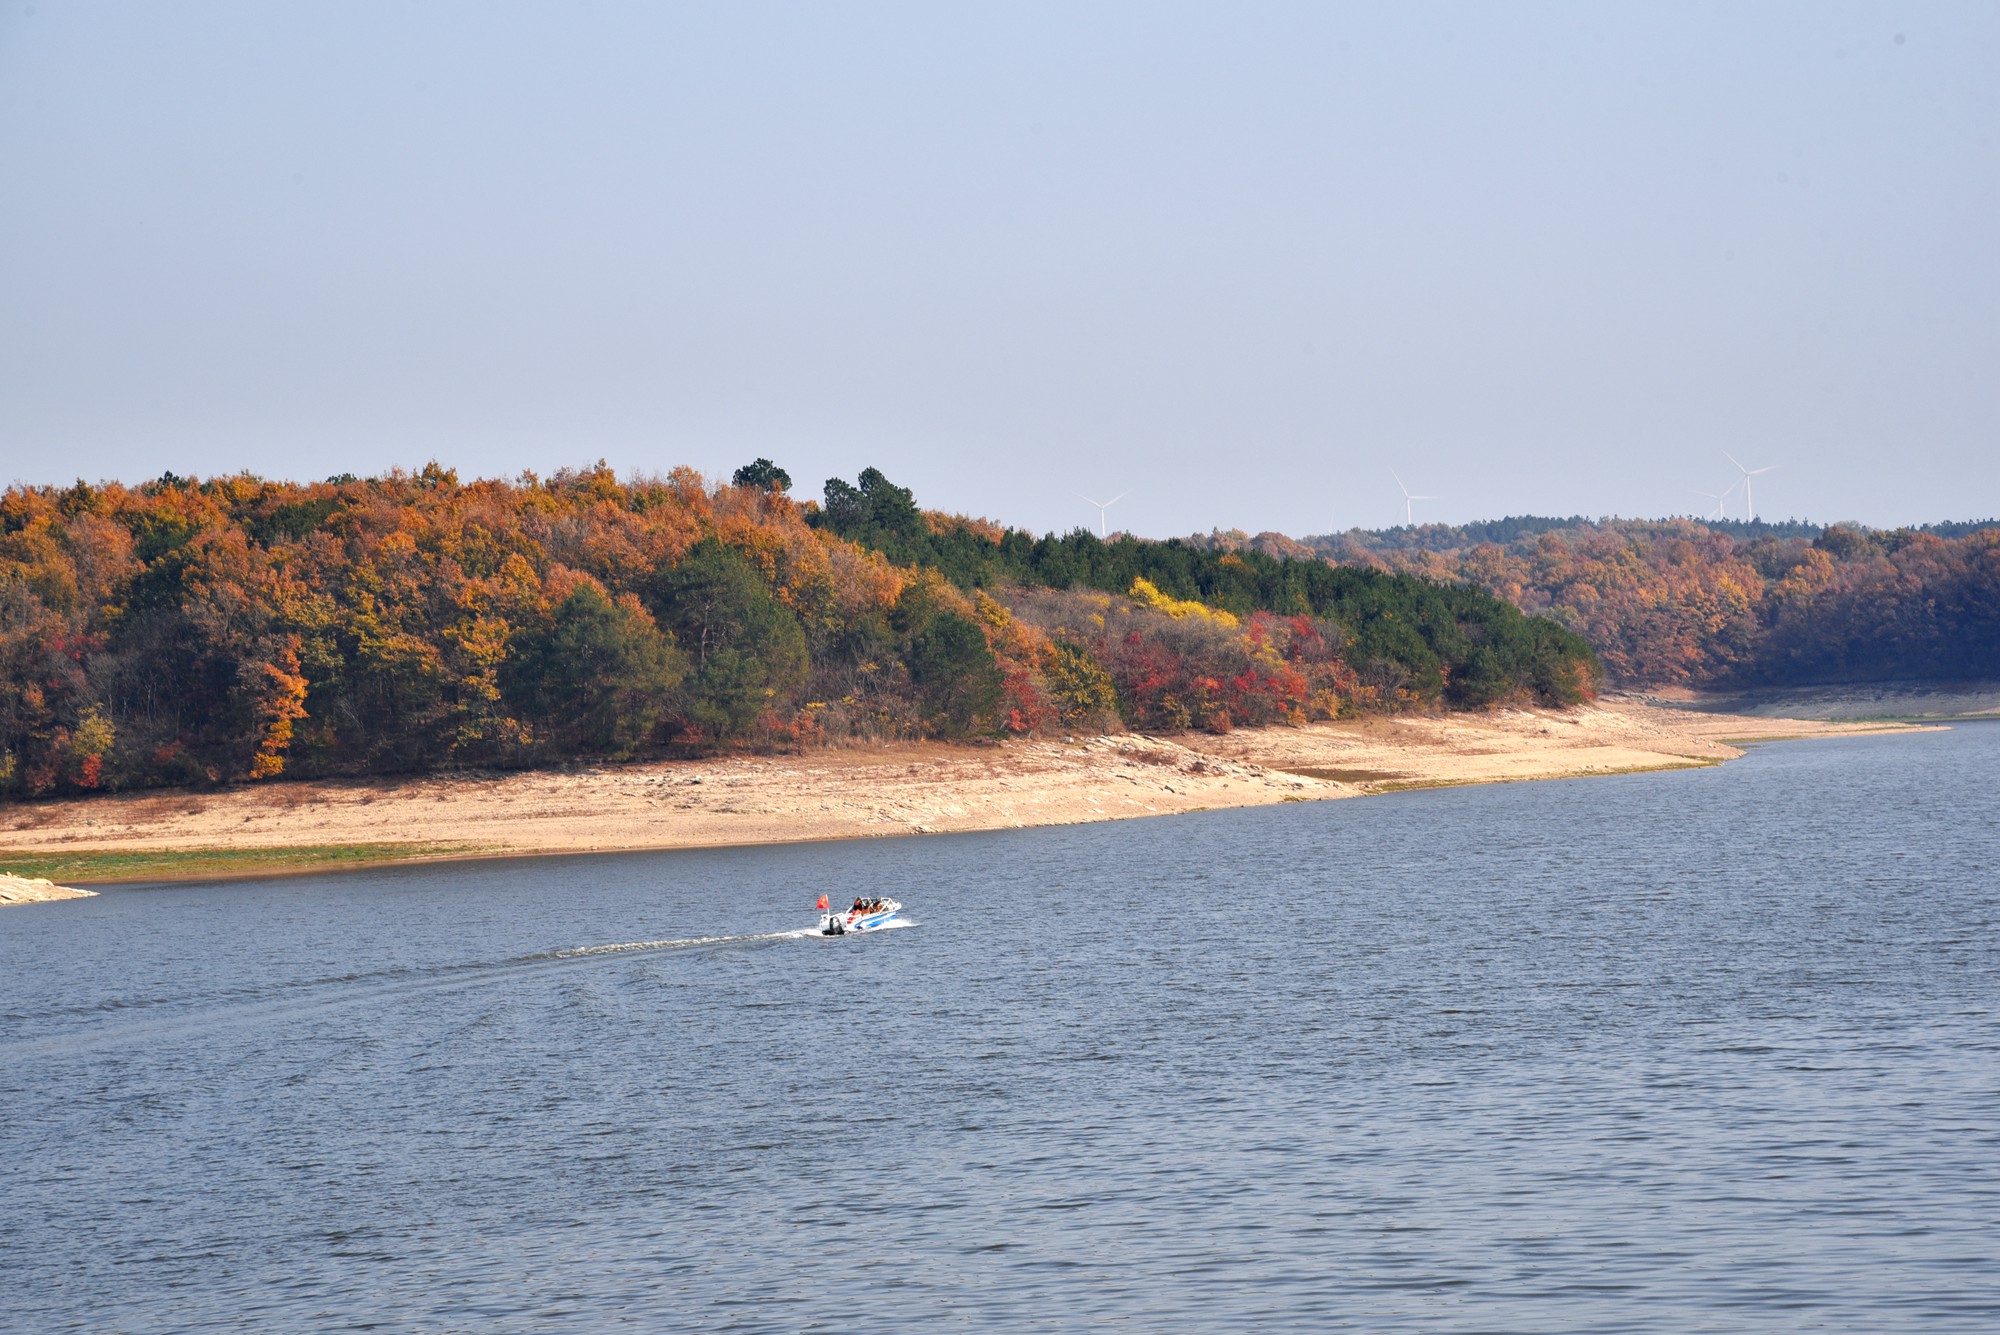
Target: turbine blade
x,y
1732,459
1755,471
1115,499
1399,485
1080,496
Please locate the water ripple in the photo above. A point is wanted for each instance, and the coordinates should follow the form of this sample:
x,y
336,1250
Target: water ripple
x,y
1514,1059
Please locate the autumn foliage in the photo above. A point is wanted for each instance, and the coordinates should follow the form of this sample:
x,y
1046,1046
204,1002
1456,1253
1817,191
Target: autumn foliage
x,y
237,628
1682,602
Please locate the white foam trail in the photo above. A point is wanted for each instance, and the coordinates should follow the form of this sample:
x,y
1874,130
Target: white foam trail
x,y
575,951
680,942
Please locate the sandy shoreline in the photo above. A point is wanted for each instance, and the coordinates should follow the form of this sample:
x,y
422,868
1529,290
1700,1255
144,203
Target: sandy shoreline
x,y
915,789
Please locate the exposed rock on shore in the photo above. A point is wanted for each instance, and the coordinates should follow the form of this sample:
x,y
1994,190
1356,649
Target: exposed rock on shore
x,y
33,890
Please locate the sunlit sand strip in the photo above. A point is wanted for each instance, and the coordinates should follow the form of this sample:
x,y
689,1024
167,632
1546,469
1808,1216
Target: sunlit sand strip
x,y
871,792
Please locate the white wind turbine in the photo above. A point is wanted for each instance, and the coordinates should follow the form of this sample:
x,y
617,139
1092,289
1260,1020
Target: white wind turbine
x,y
1749,505
1102,506
1409,513
1720,498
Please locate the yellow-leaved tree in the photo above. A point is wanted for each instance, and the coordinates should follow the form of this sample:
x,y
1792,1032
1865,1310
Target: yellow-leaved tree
x,y
1180,609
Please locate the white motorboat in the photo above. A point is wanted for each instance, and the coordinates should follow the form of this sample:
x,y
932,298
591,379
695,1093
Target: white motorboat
x,y
866,915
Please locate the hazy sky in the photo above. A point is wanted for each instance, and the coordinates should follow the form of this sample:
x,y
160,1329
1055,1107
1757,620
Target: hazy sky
x,y
1241,261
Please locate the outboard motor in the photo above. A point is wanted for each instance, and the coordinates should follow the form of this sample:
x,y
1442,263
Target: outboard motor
x,y
834,925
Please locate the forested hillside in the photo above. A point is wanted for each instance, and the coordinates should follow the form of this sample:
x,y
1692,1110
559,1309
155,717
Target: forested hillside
x,y
202,631
1688,602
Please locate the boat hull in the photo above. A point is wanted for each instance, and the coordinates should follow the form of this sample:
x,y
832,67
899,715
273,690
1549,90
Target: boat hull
x,y
842,921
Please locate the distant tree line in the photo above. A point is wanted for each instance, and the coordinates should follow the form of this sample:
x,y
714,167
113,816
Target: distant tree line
x,y
1723,604
190,631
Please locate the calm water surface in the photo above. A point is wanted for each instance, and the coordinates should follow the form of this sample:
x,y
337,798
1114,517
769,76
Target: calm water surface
x,y
1711,1050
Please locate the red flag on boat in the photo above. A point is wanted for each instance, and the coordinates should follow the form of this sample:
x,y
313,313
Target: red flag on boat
x,y
821,906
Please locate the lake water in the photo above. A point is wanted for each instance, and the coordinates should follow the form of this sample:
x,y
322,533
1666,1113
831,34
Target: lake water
x,y
1713,1050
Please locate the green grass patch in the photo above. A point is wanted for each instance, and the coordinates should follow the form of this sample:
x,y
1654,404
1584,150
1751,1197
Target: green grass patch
x,y
195,864
1754,738
1886,724
1415,784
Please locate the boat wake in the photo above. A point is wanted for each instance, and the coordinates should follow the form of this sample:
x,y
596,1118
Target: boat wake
x,y
126,1017
687,942
677,943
